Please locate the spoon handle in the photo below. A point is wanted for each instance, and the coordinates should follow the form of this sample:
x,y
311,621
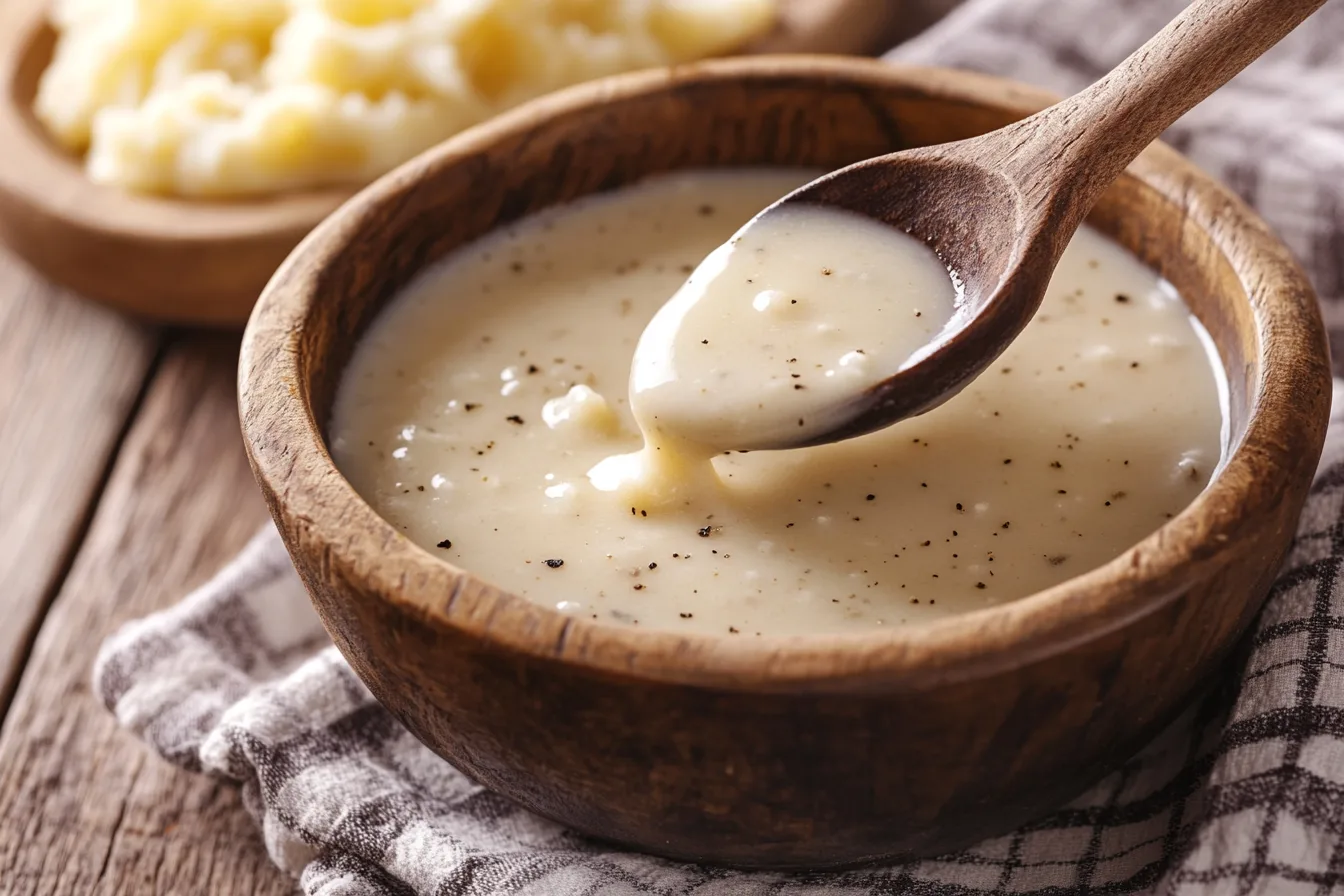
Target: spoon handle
x,y
1100,130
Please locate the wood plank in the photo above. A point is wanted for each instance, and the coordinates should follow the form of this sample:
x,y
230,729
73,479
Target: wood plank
x,y
84,807
70,372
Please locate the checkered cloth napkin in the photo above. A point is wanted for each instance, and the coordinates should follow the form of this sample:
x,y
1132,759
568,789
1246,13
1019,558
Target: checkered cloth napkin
x,y
1243,795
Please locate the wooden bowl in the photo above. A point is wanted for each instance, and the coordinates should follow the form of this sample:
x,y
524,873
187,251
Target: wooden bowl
x,y
800,752
204,262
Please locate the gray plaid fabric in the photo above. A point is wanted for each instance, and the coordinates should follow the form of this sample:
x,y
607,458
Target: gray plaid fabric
x,y
1243,795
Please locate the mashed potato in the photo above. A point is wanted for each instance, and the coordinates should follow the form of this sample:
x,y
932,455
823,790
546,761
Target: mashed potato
x,y
245,97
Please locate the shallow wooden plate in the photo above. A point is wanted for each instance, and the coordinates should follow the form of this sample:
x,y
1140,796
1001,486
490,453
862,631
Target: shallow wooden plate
x,y
203,262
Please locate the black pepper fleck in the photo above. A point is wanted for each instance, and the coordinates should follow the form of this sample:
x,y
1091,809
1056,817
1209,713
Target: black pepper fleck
x,y
555,564
445,544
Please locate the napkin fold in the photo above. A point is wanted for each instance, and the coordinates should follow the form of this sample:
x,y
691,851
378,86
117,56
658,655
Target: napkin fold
x,y
1244,794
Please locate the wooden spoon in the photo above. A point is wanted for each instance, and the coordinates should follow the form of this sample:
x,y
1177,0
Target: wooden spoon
x,y
202,262
999,209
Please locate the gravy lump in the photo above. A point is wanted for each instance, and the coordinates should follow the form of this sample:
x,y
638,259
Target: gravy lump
x,y
480,400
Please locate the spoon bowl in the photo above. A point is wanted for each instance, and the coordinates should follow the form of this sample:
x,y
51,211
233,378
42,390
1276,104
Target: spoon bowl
x,y
966,212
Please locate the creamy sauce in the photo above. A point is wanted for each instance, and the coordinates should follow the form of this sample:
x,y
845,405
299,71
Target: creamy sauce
x,y
481,400
803,309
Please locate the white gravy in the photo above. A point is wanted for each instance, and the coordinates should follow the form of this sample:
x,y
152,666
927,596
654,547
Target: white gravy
x,y
481,400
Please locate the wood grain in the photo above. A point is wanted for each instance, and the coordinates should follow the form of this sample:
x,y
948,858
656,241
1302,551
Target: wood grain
x,y
203,262
84,808
783,752
69,376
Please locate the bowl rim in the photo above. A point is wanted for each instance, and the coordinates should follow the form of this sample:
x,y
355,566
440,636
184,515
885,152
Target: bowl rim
x,y
1287,410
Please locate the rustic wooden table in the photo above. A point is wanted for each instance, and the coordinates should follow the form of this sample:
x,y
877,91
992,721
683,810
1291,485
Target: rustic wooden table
x,y
122,485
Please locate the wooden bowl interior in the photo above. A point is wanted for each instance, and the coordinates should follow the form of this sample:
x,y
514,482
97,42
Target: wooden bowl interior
x,y
780,121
